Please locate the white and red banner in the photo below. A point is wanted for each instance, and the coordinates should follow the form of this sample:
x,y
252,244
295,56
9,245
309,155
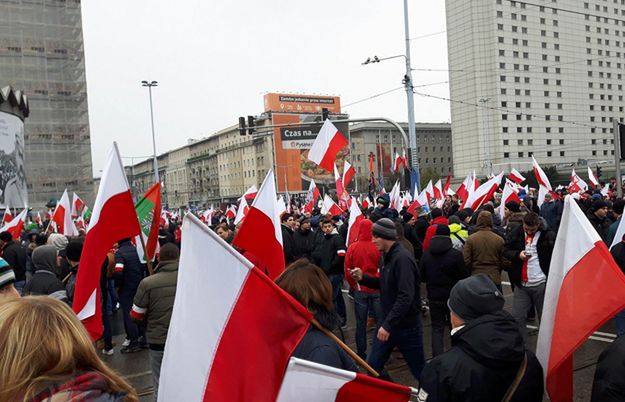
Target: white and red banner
x,y
62,217
355,216
465,189
8,216
242,211
329,206
338,181
77,205
577,184
328,143
260,233
348,173
306,381
509,194
16,225
232,329
592,178
113,218
250,193
484,193
399,163
541,177
516,177
585,288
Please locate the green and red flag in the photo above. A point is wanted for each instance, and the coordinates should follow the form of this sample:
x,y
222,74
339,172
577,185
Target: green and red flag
x,y
149,214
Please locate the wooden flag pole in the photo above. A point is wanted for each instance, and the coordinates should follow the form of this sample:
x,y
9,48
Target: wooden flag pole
x,y
145,252
346,348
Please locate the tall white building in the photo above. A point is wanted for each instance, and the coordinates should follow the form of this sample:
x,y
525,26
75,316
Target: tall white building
x,y
543,77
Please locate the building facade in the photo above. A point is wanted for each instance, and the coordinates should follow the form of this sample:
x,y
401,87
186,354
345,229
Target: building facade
x,y
539,78
41,53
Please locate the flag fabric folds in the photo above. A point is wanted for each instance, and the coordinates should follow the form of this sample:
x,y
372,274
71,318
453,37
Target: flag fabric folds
x,y
16,225
260,233
329,206
306,381
592,178
355,216
113,218
328,143
516,177
77,205
242,211
484,193
149,212
338,181
348,173
584,289
62,217
226,313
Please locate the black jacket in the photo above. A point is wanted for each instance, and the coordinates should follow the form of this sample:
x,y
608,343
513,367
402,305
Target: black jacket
x,y
128,269
441,268
515,243
329,253
618,252
287,244
15,256
484,359
399,283
601,225
304,243
421,226
609,382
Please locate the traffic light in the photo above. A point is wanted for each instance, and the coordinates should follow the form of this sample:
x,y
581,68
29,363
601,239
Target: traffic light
x,y
241,125
325,114
251,120
598,172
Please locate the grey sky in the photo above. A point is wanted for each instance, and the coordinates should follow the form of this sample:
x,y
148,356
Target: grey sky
x,y
215,60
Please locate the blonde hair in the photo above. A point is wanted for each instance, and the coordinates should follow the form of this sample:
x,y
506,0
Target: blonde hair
x,y
43,343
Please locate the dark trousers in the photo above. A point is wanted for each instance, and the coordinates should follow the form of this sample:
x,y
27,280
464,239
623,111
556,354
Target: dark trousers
x,y
439,313
337,296
364,304
132,330
409,341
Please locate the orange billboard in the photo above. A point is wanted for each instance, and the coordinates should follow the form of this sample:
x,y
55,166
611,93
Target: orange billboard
x,y
290,103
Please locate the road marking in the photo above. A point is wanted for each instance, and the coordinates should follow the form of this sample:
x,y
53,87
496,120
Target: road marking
x,y
144,373
593,337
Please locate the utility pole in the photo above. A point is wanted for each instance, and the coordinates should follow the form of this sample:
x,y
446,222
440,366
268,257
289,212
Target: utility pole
x,y
150,85
617,157
412,134
488,165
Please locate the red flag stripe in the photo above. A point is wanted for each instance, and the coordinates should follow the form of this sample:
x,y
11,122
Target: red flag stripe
x,y
337,143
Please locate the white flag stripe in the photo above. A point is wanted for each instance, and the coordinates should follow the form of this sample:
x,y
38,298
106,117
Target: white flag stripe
x,y
266,202
306,381
112,182
198,277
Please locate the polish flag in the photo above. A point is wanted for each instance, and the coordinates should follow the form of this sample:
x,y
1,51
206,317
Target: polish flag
x,y
355,216
585,288
16,225
207,216
446,187
429,191
231,212
509,194
281,206
260,233
400,161
113,218
438,191
424,200
38,218
464,189
250,193
242,211
8,216
77,205
516,177
338,180
484,193
63,218
328,143
306,381
541,177
227,312
592,178
476,182
577,184
348,173
394,196
329,206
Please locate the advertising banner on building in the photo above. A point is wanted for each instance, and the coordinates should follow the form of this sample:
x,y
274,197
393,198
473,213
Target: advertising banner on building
x,y
293,169
13,191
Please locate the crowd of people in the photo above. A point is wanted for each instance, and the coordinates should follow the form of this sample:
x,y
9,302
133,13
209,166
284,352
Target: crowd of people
x,y
457,255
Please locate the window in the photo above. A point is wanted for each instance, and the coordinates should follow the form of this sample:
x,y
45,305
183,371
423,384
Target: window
x,y
548,153
548,142
519,142
520,154
505,142
506,154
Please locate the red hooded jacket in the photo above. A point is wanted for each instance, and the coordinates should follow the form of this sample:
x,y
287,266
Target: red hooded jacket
x,y
431,231
362,254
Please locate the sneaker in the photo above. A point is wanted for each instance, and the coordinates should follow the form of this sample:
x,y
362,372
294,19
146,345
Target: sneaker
x,y
130,349
126,342
108,352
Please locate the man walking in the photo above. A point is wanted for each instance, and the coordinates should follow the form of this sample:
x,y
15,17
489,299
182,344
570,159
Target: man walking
x,y
483,250
399,293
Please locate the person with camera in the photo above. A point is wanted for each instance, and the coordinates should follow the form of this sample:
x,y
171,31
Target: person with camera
x,y
529,248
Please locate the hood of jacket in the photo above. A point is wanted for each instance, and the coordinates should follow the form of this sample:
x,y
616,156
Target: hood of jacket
x,y
365,230
167,266
493,340
440,244
439,220
44,258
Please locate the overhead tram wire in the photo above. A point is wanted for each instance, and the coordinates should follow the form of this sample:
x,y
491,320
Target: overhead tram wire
x,y
393,90
565,10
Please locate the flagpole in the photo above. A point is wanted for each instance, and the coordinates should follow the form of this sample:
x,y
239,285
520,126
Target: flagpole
x,y
346,348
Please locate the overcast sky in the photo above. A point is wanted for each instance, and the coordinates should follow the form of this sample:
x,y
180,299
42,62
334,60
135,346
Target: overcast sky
x,y
214,61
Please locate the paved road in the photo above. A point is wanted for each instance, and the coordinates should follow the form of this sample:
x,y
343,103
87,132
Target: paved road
x,y
136,368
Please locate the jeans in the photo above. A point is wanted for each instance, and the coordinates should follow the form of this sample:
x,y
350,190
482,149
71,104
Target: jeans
x,y
156,358
132,330
337,296
365,303
439,313
409,341
620,323
524,297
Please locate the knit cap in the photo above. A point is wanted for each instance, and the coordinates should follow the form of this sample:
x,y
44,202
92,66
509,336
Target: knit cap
x,y
474,297
513,206
7,275
385,228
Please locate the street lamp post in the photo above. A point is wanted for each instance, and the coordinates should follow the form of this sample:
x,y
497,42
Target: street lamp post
x,y
150,85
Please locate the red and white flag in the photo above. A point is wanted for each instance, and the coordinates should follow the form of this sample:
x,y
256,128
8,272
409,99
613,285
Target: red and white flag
x,y
260,233
62,217
306,381
541,177
592,178
338,181
400,162
231,212
464,189
113,218
355,216
509,194
438,190
227,312
77,205
329,206
281,206
348,173
8,216
484,193
38,220
446,187
250,193
242,211
429,191
577,184
585,288
328,143
16,225
516,177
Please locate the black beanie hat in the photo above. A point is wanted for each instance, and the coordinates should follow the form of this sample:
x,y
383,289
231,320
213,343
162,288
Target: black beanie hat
x,y
513,206
474,297
442,230
73,250
462,215
597,205
436,212
6,236
385,228
618,206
